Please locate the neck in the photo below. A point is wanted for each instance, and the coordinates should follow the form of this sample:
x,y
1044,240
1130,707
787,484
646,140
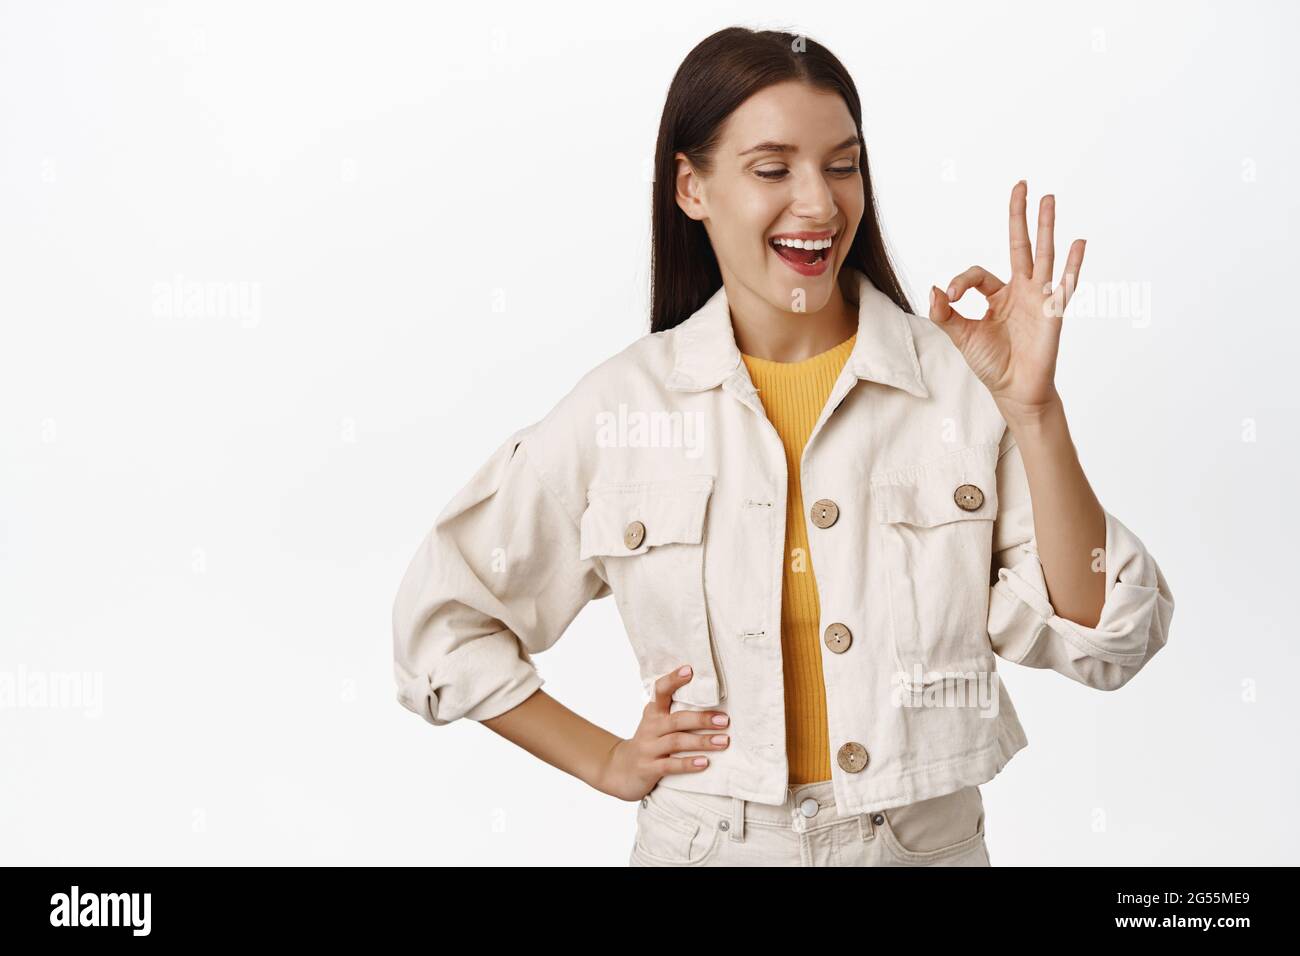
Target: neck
x,y
767,332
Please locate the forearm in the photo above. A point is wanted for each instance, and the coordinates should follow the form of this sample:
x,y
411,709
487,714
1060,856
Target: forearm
x,y
1069,523
551,732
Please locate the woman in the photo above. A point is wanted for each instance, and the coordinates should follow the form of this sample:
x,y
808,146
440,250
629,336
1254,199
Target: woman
x,y
812,507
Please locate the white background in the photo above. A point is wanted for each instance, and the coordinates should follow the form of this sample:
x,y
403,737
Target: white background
x,y
208,514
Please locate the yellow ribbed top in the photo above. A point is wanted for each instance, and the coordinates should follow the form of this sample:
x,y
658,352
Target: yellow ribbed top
x,y
793,395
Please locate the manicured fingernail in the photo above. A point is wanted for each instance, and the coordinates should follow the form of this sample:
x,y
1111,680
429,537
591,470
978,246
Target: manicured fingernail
x,y
952,292
720,739
686,669
701,761
720,719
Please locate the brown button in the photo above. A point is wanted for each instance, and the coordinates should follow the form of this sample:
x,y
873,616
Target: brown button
x,y
633,535
968,497
824,512
852,756
838,638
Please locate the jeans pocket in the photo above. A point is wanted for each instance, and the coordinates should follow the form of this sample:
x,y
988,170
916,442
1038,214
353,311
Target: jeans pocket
x,y
671,831
936,830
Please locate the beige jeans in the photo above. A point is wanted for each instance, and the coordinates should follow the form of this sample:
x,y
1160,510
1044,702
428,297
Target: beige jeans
x,y
677,828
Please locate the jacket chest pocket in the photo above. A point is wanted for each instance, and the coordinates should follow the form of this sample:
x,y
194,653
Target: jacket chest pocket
x,y
650,536
934,528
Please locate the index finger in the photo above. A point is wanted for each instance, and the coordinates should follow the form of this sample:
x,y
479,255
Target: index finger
x,y
1022,259
1045,251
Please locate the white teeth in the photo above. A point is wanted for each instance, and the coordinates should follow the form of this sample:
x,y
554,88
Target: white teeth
x,y
804,243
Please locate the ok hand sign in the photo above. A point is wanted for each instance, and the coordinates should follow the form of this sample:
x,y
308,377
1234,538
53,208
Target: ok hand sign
x,y
1013,348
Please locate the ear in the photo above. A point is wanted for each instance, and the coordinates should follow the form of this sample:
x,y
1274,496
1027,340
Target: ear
x,y
690,188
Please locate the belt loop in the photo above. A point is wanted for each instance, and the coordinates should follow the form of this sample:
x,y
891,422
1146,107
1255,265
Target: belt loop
x,y
864,823
738,819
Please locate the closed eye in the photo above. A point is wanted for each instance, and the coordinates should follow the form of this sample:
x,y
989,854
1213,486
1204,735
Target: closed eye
x,y
771,174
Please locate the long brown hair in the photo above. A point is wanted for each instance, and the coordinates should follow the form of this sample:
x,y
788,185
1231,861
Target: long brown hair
x,y
722,72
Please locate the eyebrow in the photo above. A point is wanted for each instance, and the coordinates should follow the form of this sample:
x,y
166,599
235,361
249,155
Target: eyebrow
x,y
770,147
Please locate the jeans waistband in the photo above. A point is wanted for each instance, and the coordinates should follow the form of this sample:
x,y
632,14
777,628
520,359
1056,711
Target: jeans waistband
x,y
806,805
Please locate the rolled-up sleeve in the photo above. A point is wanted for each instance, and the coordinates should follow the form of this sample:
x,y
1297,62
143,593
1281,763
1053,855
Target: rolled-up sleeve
x,y
495,580
1024,627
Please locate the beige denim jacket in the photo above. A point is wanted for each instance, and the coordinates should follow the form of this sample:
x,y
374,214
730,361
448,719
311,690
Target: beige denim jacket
x,y
660,480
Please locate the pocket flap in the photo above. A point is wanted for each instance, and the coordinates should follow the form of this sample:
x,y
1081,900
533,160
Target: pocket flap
x,y
957,487
670,510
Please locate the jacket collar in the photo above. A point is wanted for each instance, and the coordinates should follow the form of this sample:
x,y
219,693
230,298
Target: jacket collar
x,y
706,355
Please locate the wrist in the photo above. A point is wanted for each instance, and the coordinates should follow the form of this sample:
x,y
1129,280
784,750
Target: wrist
x,y
602,773
1028,423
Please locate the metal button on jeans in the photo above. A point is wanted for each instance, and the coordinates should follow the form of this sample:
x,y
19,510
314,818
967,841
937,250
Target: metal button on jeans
x,y
968,497
878,819
838,638
633,535
809,807
852,756
824,512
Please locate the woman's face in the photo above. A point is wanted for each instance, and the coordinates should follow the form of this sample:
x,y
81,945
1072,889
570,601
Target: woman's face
x,y
786,168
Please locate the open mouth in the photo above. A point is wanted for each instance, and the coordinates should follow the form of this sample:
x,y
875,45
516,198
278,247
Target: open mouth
x,y
803,252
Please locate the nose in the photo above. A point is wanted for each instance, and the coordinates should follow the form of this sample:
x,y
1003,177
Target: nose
x,y
813,199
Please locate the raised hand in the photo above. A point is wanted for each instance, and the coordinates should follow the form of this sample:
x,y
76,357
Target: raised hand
x,y
1013,348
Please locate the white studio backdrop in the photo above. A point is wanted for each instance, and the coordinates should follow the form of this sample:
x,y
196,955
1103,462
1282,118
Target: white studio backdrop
x,y
276,278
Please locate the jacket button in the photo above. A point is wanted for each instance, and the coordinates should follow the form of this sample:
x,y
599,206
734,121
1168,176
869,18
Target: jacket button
x,y
838,638
968,497
852,756
633,535
824,512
